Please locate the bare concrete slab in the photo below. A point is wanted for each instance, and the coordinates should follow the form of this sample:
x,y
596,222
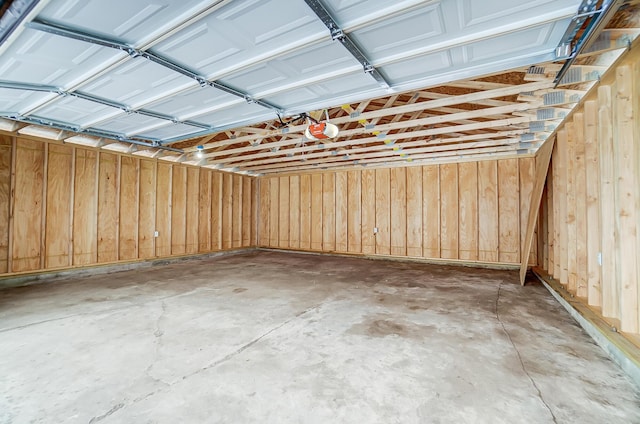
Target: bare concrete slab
x,y
270,337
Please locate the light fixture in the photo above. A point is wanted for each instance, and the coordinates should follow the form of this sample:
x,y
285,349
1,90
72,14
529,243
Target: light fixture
x,y
321,130
199,153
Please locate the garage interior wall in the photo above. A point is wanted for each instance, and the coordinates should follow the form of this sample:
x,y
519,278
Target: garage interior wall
x,y
590,210
467,211
63,206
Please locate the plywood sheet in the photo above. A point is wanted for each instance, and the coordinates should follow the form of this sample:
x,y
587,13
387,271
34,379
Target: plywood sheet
x,y
305,211
178,210
204,210
128,208
227,211
368,211
414,211
85,209
247,197
316,212
58,206
108,207
398,223
236,233
27,207
329,212
147,209
383,212
449,211
570,222
294,212
488,240
163,209
283,218
508,211
5,188
431,211
468,211
192,210
216,211
354,212
526,167
274,211
263,227
341,211
593,202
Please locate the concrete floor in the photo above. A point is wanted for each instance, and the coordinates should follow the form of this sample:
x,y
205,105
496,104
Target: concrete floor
x,y
268,337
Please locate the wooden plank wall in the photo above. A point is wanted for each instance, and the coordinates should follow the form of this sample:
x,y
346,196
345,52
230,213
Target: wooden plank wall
x,y
63,206
592,216
472,212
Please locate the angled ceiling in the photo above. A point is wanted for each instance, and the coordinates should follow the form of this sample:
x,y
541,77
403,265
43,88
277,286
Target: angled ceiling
x,y
165,71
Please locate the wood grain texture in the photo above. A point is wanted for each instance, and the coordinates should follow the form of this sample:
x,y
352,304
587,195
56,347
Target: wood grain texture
x,y
449,211
527,175
581,206
204,210
178,211
274,211
383,211
283,216
294,212
398,223
84,209
247,210
328,212
192,210
468,211
236,212
316,212
305,211
58,206
368,211
5,188
508,211
414,211
108,207
561,197
488,221
572,260
341,211
216,211
431,210
128,229
263,227
227,211
147,209
593,202
27,206
163,210
354,211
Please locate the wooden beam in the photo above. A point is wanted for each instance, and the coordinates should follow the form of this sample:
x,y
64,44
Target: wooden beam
x,y
543,157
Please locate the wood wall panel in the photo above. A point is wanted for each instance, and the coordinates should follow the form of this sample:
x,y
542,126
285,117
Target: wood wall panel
x,y
383,212
368,210
58,207
508,211
431,211
354,212
449,211
227,211
274,211
264,213
128,228
329,212
468,211
5,188
204,211
178,210
316,212
398,198
341,211
283,216
294,212
305,211
488,231
527,174
163,209
414,211
192,210
85,236
595,186
27,206
79,206
236,212
147,210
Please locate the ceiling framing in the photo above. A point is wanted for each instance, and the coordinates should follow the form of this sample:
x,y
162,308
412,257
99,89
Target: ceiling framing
x,y
227,84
